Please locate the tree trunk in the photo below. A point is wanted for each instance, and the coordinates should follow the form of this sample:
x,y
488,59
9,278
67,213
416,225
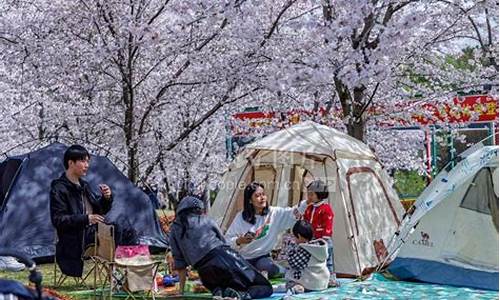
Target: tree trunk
x,y
356,125
129,96
41,127
356,129
129,134
352,109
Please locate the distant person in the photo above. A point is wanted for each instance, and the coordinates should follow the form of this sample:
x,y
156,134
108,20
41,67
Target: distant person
x,y
196,241
152,192
320,215
75,210
307,261
255,231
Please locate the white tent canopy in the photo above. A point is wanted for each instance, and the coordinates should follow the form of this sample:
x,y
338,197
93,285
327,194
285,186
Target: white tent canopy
x,y
367,210
456,222
312,138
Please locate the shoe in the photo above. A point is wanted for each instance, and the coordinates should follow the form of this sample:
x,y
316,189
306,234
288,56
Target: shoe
x,y
9,263
231,293
218,294
333,283
297,289
234,294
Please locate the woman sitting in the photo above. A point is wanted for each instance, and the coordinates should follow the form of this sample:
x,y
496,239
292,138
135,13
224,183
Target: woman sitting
x,y
196,240
254,232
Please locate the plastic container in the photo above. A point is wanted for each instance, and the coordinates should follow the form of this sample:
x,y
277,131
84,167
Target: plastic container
x,y
169,280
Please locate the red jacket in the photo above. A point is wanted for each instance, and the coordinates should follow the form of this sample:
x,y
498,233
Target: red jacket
x,y
321,218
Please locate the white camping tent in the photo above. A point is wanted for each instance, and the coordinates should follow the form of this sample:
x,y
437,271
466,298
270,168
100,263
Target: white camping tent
x,y
455,240
367,210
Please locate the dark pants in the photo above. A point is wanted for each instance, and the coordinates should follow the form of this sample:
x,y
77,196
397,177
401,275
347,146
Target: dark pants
x,y
265,263
225,268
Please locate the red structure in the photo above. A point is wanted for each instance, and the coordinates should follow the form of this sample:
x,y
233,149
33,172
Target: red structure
x,y
465,111
468,109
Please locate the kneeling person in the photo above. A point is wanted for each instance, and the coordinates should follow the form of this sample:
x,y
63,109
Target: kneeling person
x,y
307,261
196,240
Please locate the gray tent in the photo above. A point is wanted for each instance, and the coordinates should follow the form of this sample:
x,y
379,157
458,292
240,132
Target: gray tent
x,y
24,200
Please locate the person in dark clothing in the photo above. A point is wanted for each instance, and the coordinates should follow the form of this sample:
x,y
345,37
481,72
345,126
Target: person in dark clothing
x,y
196,241
74,209
152,192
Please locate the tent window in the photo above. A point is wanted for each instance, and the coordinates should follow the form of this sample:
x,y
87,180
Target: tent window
x,y
480,193
8,171
299,178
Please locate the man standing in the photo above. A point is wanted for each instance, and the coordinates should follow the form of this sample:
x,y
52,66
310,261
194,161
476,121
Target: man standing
x,y
74,209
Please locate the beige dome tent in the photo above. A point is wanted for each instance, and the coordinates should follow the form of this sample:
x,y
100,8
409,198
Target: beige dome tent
x,y
367,210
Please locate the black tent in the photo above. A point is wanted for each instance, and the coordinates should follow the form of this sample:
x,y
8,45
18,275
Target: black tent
x,y
24,200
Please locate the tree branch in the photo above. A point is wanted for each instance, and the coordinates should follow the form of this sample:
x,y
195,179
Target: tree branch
x,y
365,106
153,104
183,135
466,12
276,21
8,40
158,13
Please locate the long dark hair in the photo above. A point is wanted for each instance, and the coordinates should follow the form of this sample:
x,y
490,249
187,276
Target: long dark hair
x,y
183,218
248,209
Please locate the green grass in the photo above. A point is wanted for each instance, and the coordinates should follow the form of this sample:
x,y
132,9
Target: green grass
x,y
409,184
47,270
69,288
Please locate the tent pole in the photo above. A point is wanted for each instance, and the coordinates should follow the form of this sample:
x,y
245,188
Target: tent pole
x,y
349,227
451,149
428,150
229,139
491,133
434,151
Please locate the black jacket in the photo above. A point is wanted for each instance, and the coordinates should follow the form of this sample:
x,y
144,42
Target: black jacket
x,y
70,220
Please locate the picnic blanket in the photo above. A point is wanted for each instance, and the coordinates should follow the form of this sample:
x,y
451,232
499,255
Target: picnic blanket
x,y
207,296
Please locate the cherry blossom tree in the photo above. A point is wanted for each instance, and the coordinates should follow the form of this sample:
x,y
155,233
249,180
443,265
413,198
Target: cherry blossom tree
x,y
127,77
151,83
361,54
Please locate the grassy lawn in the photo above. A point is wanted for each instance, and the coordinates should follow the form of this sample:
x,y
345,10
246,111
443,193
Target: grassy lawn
x,y
70,288
47,270
69,285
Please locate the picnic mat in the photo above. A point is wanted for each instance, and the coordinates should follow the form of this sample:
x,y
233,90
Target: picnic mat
x,y
376,287
203,296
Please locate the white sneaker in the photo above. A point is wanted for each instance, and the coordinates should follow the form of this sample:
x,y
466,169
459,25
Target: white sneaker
x,y
9,263
296,289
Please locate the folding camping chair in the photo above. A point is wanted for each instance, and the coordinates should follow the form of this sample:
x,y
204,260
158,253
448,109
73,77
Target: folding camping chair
x,y
59,279
115,274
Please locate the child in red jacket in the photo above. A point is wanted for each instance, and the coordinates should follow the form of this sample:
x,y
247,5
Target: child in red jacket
x,y
320,215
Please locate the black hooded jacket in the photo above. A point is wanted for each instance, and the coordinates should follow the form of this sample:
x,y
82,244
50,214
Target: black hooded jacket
x,y
201,236
70,220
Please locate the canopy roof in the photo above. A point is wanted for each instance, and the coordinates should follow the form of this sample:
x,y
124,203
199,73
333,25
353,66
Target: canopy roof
x,y
313,138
